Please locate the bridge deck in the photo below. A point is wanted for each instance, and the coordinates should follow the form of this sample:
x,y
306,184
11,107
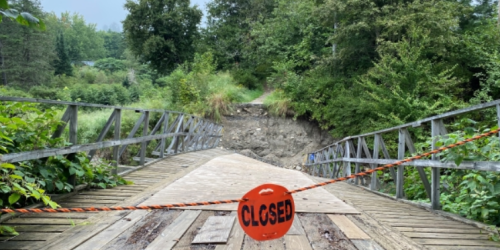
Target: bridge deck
x,y
367,221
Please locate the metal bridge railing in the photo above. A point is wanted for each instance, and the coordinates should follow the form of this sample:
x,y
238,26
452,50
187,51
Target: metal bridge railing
x,y
182,132
353,152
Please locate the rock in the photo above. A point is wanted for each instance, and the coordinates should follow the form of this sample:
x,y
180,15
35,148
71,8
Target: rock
x,y
298,168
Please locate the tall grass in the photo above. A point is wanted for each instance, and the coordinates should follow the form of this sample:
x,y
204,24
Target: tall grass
x,y
278,104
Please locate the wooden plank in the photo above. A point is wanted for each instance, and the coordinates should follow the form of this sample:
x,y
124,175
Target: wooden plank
x,y
185,241
442,230
367,245
296,228
461,248
297,242
251,244
112,232
42,228
173,232
348,227
235,239
42,221
29,236
447,236
386,236
11,245
321,232
82,216
215,230
79,234
456,242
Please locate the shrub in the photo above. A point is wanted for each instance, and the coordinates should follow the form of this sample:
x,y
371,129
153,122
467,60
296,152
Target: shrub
x,y
109,65
245,78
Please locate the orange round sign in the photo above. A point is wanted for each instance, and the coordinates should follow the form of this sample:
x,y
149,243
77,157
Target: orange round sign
x,y
268,213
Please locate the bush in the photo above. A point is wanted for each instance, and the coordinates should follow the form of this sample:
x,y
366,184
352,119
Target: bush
x,y
6,91
110,65
106,94
42,92
245,78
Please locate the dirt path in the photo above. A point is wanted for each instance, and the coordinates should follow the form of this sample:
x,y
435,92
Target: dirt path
x,y
260,100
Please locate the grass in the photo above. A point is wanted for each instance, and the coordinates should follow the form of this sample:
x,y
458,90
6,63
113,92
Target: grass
x,y
278,104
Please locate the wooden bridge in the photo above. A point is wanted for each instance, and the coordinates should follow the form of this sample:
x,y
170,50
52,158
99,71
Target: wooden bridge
x,y
337,216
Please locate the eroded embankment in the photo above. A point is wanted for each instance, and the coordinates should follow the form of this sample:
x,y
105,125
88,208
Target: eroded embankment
x,y
250,130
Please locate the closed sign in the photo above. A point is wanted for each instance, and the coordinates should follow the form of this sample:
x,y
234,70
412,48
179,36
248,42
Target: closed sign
x,y
268,213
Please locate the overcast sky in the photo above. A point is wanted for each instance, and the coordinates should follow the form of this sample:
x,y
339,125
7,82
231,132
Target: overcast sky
x,y
105,13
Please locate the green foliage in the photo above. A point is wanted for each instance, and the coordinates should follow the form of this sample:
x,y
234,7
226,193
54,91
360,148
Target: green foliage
x,y
114,43
26,53
110,65
23,18
24,128
82,40
62,65
278,104
161,32
106,94
472,194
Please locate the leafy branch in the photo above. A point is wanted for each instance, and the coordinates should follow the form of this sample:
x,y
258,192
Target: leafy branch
x,y
23,18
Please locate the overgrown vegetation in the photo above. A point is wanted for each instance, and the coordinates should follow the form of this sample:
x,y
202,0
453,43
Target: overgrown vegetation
x,y
353,66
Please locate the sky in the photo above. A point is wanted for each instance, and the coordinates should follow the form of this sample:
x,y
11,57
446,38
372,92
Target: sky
x,y
107,14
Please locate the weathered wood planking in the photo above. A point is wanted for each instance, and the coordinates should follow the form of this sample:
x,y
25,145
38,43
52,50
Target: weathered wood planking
x,y
456,242
231,176
42,221
391,223
71,237
322,233
297,242
30,236
235,239
447,236
173,232
16,245
367,245
348,227
112,232
215,230
188,237
296,228
251,244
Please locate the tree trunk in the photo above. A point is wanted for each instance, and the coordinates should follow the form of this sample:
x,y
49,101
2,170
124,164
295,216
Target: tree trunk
x,y
4,75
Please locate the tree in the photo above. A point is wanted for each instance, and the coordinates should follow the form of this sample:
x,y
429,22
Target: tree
x,y
114,43
23,18
229,24
161,33
27,52
62,65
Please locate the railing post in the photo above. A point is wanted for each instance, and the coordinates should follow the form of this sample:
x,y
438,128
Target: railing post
x,y
435,173
376,145
144,133
400,173
116,149
73,137
164,131
358,155
498,117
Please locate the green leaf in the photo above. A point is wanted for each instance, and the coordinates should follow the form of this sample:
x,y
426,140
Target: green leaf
x,y
459,160
72,171
59,185
13,176
102,185
53,205
8,166
13,198
3,4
